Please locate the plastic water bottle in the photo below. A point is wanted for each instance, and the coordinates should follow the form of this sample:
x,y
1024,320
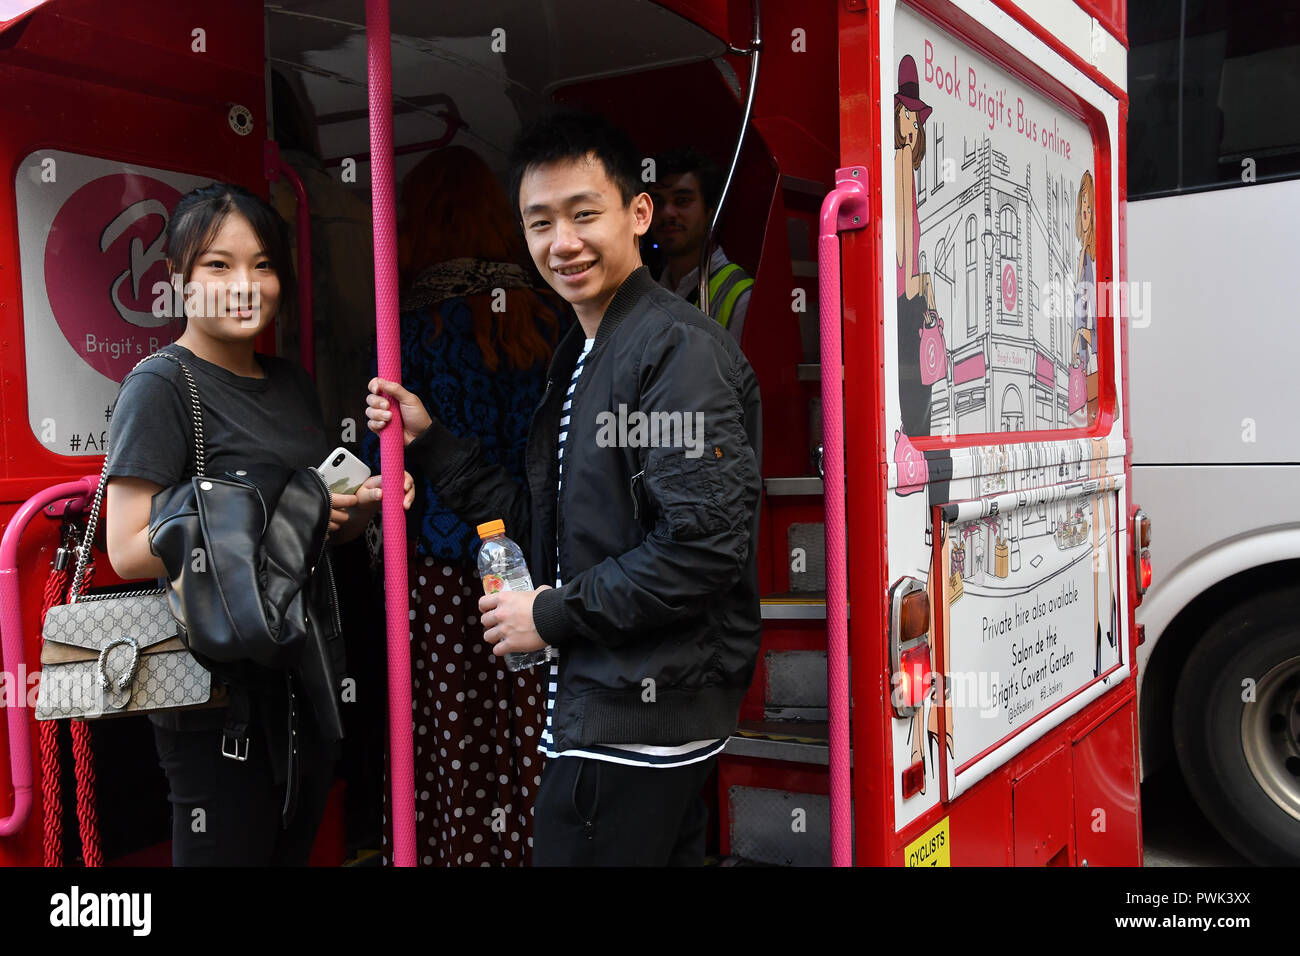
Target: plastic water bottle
x,y
502,567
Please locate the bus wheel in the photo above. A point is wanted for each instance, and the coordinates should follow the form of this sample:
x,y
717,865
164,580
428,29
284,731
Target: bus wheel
x,y
1237,726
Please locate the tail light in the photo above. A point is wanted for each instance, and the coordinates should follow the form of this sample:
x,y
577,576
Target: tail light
x,y
1142,556
909,646
909,659
914,673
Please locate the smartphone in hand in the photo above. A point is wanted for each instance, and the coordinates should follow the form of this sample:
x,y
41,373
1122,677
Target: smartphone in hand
x,y
343,472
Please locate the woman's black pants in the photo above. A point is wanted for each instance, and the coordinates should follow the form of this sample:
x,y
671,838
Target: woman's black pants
x,y
228,813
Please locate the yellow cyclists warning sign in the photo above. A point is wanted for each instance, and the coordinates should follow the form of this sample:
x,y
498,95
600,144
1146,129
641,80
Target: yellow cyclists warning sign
x,y
930,848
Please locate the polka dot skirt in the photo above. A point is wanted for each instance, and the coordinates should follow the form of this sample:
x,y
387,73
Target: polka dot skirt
x,y
476,729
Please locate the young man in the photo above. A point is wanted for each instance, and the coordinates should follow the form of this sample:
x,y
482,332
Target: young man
x,y
641,509
685,196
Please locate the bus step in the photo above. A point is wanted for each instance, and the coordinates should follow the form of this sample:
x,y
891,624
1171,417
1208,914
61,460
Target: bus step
x,y
722,861
789,741
805,542
794,606
800,486
779,827
796,681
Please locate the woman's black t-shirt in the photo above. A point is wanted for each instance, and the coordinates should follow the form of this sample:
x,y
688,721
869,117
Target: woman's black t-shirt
x,y
245,420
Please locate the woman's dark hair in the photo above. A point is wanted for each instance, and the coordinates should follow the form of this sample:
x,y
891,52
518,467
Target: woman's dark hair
x,y
197,219
918,151
570,135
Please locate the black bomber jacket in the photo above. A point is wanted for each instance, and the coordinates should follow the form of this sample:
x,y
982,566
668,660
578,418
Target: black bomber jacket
x,y
658,620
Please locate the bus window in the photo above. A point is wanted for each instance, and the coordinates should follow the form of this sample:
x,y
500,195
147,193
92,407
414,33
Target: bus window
x,y
1204,83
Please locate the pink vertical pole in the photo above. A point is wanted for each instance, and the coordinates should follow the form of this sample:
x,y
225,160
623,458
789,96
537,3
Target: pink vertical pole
x,y
844,208
401,764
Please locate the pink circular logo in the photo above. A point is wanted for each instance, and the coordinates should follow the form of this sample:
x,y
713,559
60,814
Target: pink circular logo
x,y
102,259
1008,288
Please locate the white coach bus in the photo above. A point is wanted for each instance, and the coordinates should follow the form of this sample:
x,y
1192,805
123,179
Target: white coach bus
x,y
1213,234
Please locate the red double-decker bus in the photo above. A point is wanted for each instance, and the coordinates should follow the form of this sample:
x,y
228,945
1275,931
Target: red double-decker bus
x,y
929,196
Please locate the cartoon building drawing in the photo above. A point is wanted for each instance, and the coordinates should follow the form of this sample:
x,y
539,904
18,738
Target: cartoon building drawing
x,y
1000,246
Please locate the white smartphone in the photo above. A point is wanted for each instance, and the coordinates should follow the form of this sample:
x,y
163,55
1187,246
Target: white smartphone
x,y
343,472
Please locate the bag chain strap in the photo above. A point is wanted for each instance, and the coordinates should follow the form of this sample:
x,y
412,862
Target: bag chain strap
x,y
196,412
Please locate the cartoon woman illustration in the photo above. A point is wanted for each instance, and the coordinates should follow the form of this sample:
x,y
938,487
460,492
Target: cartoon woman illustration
x,y
1085,289
916,311
1085,356
915,291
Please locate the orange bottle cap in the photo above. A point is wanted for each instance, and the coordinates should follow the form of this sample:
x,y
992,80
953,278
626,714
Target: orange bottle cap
x,y
489,528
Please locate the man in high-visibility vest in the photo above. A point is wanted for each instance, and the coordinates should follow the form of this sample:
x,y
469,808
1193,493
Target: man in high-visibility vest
x,y
685,193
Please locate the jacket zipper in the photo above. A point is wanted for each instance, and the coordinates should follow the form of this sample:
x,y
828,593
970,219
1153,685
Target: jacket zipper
x,y
334,599
535,487
636,505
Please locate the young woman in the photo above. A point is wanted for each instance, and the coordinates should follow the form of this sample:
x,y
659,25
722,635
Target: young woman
x,y
476,340
227,250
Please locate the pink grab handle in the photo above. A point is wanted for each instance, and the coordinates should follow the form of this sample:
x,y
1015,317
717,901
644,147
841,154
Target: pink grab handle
x,y
845,207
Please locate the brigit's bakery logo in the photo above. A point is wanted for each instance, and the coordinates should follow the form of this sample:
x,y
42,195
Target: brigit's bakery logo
x,y
103,258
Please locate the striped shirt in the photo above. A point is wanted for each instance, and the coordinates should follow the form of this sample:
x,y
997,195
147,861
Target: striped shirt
x,y
637,755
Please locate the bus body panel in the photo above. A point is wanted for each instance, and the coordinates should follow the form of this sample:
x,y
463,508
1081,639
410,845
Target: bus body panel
x,y
1198,442
1087,775
972,786
1183,359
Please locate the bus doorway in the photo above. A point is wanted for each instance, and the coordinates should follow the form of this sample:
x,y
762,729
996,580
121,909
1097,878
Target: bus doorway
x,y
470,80
463,78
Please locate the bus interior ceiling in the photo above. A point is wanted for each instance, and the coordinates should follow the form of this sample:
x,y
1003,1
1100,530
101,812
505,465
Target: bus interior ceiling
x,y
499,63
473,75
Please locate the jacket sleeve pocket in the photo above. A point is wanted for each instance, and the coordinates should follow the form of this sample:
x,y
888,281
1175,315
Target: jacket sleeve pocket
x,y
689,492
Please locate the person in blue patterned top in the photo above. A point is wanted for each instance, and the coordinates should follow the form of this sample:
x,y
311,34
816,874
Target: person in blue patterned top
x,y
476,338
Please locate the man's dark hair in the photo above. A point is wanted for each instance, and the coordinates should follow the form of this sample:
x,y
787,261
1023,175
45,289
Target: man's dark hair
x,y
688,159
571,135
